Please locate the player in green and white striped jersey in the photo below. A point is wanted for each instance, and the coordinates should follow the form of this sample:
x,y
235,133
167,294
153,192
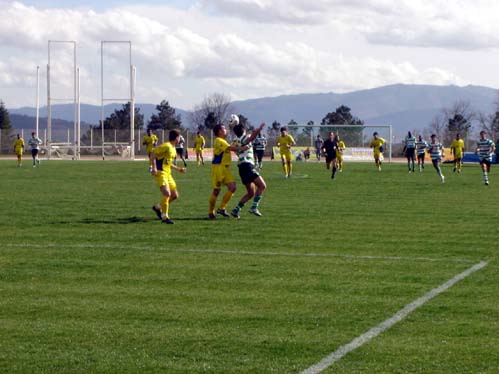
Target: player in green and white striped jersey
x,y
421,146
255,185
436,151
485,149
410,150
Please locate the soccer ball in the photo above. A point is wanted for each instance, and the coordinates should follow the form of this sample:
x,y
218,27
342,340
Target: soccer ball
x,y
234,120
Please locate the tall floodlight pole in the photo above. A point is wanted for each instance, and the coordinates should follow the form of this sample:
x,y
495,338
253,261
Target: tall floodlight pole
x,y
50,98
132,109
37,99
131,99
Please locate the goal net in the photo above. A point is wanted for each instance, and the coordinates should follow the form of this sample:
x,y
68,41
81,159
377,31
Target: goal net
x,y
356,139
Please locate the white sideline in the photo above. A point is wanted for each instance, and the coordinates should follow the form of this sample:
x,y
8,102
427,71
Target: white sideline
x,y
236,252
397,317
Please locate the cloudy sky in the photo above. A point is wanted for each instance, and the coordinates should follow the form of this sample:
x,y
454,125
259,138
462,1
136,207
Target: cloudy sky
x,y
186,50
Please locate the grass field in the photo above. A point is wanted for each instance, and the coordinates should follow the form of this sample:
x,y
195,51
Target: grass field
x,y
91,281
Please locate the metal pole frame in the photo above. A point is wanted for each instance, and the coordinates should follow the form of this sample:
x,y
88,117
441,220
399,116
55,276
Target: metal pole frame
x,y
131,99
75,98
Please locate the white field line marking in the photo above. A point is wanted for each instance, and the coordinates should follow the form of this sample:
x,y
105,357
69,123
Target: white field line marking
x,y
397,317
236,252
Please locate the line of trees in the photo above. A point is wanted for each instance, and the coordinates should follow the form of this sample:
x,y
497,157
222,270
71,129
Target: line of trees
x,y
461,118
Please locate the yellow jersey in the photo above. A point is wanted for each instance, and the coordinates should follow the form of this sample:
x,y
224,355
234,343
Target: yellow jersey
x,y
221,153
165,154
149,142
199,142
18,145
285,142
340,149
458,147
376,144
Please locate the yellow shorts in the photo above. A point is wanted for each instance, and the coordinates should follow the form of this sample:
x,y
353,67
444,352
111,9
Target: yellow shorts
x,y
165,179
199,151
19,153
221,175
458,155
286,155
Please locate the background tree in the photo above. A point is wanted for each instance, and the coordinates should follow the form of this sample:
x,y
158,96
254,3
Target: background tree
x,y
458,118
166,119
342,116
5,127
490,122
273,133
120,119
5,124
216,107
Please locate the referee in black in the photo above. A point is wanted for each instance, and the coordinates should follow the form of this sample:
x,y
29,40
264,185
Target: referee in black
x,y
329,147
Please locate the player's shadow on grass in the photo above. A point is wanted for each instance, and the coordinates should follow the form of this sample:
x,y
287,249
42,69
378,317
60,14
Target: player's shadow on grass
x,y
117,220
129,220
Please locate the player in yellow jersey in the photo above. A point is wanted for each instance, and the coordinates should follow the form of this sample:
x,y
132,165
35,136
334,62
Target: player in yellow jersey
x,y
339,152
221,174
163,156
19,149
285,142
457,148
150,141
377,144
199,143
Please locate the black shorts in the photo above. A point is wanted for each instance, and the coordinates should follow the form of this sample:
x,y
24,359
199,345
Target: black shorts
x,y
180,152
247,172
485,162
409,152
330,158
34,152
259,154
421,156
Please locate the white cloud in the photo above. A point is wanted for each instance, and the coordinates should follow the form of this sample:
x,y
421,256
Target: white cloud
x,y
460,24
182,55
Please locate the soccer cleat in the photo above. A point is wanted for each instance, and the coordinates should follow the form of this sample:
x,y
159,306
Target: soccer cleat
x,y
332,176
167,221
486,183
157,211
223,212
212,216
454,170
442,179
235,213
255,211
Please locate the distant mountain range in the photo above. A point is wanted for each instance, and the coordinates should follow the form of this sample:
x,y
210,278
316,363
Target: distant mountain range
x,y
405,107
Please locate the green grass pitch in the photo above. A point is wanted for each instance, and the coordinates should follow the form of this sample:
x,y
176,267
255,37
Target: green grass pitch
x,y
91,281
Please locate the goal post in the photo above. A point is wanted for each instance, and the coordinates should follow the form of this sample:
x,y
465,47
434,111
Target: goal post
x,y
128,99
356,138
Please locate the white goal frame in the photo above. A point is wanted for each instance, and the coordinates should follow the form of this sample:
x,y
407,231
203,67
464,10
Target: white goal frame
x,y
363,127
130,99
75,99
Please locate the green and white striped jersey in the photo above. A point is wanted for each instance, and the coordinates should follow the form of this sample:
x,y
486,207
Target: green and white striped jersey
x,y
435,150
246,156
410,142
485,147
421,147
35,143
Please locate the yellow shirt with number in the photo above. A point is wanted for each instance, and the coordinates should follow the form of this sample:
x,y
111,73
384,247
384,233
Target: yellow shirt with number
x,y
199,143
340,149
375,144
458,147
150,142
285,142
19,146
